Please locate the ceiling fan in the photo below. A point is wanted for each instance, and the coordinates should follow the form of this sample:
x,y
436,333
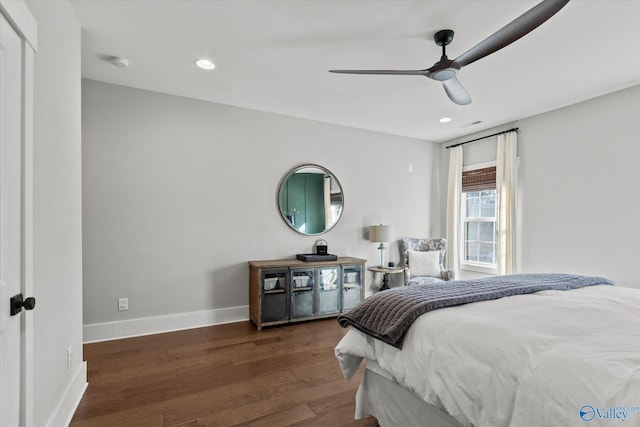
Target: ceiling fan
x,y
446,70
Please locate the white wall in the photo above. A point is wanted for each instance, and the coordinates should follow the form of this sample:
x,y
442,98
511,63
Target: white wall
x,y
577,176
179,194
57,214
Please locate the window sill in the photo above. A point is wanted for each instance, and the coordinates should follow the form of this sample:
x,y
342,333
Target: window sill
x,y
480,268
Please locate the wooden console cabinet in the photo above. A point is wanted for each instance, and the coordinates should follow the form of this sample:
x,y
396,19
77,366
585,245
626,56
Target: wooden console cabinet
x,y
290,290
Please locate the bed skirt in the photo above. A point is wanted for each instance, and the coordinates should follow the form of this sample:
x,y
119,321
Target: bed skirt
x,y
393,405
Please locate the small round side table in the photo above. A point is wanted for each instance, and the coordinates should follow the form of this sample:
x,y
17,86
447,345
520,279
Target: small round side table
x,y
386,271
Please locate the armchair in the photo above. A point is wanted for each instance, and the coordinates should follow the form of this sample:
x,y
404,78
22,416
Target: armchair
x,y
421,276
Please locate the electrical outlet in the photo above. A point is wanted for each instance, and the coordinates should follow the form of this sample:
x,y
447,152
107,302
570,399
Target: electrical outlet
x,y
69,357
123,304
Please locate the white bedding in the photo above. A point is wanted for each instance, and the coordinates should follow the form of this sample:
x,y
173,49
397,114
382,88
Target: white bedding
x,y
544,359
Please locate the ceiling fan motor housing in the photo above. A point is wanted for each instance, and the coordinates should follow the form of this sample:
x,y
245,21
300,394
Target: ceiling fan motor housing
x,y
445,74
444,70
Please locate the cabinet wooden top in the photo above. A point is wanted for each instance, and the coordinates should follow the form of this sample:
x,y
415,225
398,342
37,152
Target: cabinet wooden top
x,y
294,262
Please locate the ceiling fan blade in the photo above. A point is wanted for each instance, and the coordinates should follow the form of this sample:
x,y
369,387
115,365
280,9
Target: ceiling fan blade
x,y
516,29
397,72
456,92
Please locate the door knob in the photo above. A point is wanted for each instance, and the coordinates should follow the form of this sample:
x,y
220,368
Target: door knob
x,y
18,302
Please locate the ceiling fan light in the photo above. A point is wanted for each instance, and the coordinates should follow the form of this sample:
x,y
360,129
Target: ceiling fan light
x,y
445,74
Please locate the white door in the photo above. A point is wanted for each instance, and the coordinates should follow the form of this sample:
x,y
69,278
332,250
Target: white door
x,y
15,226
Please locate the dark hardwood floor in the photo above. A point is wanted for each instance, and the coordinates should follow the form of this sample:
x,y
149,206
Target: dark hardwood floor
x,y
226,375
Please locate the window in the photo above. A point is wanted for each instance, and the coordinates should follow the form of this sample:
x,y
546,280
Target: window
x,y
479,221
480,234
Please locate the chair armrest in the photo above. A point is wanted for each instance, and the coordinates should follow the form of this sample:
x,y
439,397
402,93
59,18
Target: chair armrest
x,y
448,275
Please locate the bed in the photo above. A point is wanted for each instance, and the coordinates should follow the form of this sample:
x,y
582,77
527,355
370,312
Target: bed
x,y
542,358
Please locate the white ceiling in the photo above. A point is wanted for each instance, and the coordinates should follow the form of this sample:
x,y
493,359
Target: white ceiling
x,y
273,55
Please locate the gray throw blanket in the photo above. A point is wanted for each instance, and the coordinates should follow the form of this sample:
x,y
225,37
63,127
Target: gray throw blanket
x,y
388,314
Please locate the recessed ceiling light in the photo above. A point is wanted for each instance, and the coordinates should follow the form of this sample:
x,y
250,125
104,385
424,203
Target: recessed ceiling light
x,y
205,64
445,120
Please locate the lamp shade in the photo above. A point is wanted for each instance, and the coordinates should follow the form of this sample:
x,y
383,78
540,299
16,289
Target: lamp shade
x,y
380,233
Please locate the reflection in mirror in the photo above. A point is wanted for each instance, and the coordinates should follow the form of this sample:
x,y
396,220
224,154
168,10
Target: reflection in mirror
x,y
310,199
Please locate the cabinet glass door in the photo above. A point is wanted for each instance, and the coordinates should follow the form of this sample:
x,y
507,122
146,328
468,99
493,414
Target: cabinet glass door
x,y
302,295
275,304
351,286
328,290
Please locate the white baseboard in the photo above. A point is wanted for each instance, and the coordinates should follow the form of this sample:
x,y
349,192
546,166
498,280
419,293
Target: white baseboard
x,y
70,400
158,324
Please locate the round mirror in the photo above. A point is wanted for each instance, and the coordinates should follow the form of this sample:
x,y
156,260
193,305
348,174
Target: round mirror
x,y
310,199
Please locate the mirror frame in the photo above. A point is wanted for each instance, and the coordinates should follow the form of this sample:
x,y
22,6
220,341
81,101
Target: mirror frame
x,y
289,173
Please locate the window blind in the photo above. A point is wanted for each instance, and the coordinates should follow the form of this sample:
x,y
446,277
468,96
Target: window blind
x,y
479,179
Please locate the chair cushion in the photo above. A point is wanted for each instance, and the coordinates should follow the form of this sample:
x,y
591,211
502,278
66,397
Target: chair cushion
x,y
423,245
424,263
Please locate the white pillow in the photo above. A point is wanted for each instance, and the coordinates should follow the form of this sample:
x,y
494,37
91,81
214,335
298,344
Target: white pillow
x,y
424,263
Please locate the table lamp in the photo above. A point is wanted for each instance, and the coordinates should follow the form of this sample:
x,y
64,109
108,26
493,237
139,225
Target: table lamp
x,y
380,234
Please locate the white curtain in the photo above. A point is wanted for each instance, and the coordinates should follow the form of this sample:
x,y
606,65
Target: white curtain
x,y
453,210
506,186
